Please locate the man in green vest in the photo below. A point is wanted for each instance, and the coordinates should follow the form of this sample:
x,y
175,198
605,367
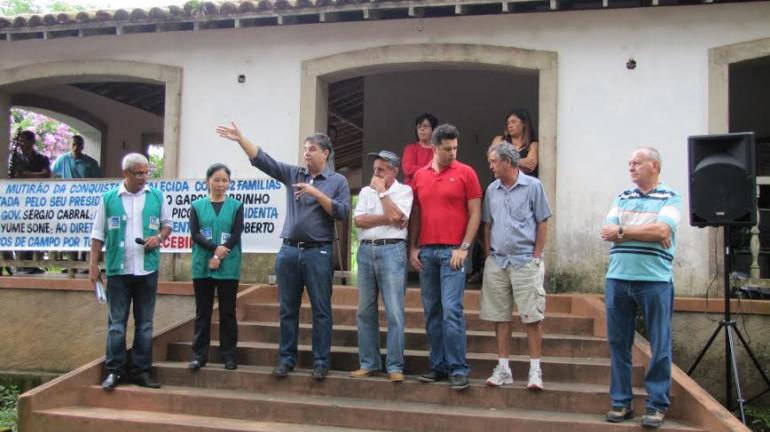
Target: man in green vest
x,y
131,223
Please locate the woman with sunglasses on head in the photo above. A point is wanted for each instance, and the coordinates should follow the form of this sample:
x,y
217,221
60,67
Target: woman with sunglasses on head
x,y
216,223
520,133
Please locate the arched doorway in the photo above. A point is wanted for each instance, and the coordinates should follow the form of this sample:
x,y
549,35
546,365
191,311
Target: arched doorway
x,y
318,74
21,79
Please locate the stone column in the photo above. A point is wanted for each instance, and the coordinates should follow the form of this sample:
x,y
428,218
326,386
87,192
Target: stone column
x,y
5,130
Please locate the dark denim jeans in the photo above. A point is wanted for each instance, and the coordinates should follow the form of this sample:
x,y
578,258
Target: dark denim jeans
x,y
381,271
656,300
297,268
442,292
121,291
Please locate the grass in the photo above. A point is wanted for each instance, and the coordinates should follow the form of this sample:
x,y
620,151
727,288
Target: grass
x,y
353,247
758,419
8,397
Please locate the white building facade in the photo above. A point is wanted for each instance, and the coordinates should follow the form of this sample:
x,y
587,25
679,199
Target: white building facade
x,y
569,67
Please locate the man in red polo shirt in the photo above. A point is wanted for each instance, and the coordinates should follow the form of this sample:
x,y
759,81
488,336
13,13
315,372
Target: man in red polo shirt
x,y
445,216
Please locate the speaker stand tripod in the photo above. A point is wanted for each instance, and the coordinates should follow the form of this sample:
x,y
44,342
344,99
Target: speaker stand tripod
x,y
731,331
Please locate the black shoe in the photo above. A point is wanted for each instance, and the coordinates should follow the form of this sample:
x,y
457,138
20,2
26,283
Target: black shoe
x,y
196,364
320,372
432,376
459,382
144,380
231,365
111,381
282,370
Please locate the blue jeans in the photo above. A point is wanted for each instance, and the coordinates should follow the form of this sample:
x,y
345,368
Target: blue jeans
x,y
121,291
297,268
381,270
656,299
442,299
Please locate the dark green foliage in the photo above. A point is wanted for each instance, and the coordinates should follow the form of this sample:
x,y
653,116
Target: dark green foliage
x,y
8,396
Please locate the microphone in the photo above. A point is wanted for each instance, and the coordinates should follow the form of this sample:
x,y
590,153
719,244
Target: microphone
x,y
301,174
139,240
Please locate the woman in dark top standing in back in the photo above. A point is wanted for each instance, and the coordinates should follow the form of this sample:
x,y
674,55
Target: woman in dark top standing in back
x,y
216,223
519,132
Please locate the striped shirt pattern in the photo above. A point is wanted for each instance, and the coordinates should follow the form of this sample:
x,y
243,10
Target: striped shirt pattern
x,y
639,260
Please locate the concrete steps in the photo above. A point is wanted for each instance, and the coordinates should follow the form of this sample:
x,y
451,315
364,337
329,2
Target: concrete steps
x,y
571,369
557,322
560,396
562,345
93,419
575,369
394,415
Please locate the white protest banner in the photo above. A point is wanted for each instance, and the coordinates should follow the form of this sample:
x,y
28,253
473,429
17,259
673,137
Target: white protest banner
x,y
57,215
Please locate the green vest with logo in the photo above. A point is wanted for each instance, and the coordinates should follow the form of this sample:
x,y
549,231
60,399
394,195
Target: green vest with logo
x,y
218,229
115,234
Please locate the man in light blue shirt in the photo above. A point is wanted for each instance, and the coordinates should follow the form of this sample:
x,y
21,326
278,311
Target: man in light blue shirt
x,y
641,225
76,164
516,213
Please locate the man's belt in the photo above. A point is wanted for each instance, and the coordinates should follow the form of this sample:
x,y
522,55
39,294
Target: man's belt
x,y
306,244
382,242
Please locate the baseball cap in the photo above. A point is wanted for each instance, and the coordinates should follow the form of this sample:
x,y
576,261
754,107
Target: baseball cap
x,y
387,156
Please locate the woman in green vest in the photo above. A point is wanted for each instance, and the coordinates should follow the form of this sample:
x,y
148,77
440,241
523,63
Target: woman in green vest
x,y
216,223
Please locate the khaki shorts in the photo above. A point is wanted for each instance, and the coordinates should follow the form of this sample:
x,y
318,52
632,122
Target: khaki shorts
x,y
502,286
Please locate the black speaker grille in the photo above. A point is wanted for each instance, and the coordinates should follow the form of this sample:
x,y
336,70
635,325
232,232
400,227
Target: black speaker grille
x,y
722,180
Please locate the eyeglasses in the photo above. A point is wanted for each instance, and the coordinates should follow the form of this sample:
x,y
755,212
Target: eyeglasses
x,y
139,174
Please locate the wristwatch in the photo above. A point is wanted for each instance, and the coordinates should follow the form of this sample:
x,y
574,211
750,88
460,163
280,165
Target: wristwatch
x,y
537,261
620,232
382,195
465,246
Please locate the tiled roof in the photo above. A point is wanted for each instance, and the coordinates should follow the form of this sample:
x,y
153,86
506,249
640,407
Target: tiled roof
x,y
197,15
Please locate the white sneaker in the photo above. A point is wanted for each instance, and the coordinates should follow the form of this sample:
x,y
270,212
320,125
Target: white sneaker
x,y
535,380
499,377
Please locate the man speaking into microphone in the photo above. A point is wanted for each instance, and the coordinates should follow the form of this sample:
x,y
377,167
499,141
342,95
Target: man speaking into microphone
x,y
316,196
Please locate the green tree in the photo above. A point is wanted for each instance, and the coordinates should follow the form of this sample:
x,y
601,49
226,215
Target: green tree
x,y
63,6
19,7
28,7
156,166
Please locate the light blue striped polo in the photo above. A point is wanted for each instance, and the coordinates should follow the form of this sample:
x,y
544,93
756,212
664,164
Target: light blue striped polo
x,y
640,260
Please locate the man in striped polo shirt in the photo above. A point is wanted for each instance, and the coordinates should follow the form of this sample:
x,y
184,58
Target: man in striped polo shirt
x,y
642,228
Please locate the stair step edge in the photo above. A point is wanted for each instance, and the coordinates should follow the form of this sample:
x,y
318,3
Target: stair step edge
x,y
210,423
394,406
305,372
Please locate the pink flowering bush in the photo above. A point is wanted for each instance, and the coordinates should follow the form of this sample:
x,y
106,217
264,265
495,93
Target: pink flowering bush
x,y
52,136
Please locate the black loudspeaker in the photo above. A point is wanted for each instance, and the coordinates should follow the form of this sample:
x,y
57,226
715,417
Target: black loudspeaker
x,y
723,188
